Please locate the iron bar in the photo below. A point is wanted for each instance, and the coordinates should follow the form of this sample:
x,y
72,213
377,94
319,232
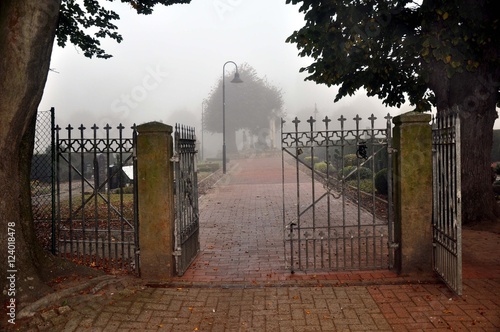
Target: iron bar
x,y
349,243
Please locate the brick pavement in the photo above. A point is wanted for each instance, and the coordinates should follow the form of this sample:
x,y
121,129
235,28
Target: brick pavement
x,y
239,281
242,228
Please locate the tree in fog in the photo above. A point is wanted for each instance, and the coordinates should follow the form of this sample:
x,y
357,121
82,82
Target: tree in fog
x,y
250,105
432,53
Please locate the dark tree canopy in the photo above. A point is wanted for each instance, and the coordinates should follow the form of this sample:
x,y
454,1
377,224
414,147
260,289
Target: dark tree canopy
x,y
431,53
249,105
390,48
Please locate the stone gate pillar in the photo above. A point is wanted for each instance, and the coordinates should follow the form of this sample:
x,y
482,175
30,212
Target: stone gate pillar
x,y
413,193
155,188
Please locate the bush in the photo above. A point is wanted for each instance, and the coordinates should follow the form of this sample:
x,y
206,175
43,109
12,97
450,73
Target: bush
x,y
350,160
310,161
322,167
365,185
381,182
364,173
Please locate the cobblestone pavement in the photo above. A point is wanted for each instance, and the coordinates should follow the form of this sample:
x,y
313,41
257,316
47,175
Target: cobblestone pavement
x,y
239,282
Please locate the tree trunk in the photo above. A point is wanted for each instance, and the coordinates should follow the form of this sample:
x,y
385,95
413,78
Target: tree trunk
x,y
473,96
27,30
478,199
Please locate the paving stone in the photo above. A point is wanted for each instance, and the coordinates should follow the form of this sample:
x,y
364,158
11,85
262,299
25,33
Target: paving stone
x,y
239,281
48,315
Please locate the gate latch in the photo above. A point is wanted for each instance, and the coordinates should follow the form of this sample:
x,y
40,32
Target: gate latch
x,y
362,152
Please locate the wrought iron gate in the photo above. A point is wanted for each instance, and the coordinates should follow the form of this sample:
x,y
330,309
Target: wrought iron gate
x,y
96,214
337,221
447,204
187,224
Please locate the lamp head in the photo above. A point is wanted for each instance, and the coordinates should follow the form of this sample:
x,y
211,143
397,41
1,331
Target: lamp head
x,y
236,78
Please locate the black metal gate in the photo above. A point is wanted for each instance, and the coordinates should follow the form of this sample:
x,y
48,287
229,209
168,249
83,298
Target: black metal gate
x,y
341,215
447,204
187,224
96,214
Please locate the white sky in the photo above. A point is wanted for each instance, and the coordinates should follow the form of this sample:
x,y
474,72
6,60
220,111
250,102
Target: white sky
x,y
169,62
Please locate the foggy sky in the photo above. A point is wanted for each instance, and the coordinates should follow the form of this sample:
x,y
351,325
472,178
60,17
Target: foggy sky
x,y
169,62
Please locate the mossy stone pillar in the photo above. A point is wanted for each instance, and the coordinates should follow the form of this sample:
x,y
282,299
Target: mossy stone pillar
x,y
155,188
413,193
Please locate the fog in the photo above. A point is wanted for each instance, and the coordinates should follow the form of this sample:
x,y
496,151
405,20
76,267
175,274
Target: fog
x,y
170,61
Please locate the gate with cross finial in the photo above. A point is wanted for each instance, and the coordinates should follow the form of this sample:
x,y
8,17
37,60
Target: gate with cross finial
x,y
95,199
187,218
340,214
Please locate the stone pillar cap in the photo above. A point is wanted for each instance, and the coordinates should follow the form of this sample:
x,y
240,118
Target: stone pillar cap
x,y
412,116
154,127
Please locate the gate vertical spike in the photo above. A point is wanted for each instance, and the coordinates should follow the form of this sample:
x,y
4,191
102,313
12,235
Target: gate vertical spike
x,y
137,248
96,189
311,122
326,120
296,121
357,119
108,192
342,120
121,185
388,118
82,184
390,239
372,119
94,142
56,203
70,189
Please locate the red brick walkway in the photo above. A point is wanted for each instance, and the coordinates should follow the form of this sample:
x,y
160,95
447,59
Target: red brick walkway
x,y
242,241
239,281
242,230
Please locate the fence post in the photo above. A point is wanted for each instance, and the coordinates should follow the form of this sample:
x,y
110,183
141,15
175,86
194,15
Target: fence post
x,y
155,188
413,193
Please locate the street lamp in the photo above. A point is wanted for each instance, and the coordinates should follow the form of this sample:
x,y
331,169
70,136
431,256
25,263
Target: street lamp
x,y
236,79
204,105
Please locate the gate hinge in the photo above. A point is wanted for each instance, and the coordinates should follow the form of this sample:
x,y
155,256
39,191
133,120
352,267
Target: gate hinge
x,y
177,252
392,150
394,245
175,158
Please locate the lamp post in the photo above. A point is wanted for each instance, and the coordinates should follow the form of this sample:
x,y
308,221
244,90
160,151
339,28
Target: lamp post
x,y
236,79
203,108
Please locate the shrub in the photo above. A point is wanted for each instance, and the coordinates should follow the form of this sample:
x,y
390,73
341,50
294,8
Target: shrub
x,y
364,173
350,160
381,182
310,161
365,185
322,167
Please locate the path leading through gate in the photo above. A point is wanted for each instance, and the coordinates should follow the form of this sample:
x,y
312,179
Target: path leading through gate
x,y
241,228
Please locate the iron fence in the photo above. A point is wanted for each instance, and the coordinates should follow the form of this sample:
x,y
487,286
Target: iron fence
x,y
96,203
43,179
